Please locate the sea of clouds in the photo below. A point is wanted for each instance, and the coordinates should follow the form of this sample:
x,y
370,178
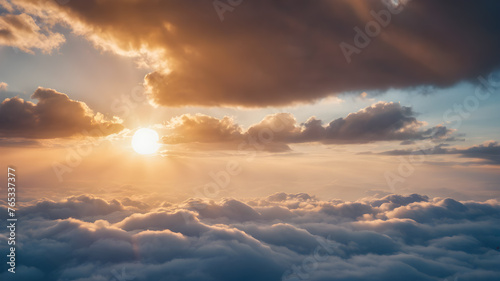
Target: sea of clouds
x,y
280,237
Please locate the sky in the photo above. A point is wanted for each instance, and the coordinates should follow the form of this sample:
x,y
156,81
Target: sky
x,y
365,129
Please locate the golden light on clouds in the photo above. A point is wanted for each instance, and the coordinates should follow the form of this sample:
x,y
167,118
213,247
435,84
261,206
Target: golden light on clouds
x,y
191,140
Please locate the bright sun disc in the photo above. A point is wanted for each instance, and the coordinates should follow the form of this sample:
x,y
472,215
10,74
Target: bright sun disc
x,y
145,141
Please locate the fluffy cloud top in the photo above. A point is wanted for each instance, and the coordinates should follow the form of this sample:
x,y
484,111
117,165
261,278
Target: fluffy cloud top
x,y
281,237
72,207
275,53
379,122
54,116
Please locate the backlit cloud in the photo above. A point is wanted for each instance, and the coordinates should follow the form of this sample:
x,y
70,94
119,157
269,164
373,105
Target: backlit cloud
x,y
268,53
54,116
22,32
202,128
379,122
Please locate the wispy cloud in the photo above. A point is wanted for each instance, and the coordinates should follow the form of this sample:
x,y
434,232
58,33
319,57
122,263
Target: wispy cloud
x,y
489,151
22,32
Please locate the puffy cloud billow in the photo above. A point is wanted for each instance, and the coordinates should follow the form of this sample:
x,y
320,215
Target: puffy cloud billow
x,y
382,121
269,53
54,116
280,237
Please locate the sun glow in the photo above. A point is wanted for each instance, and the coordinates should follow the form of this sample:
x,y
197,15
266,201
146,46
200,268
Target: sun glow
x,y
145,141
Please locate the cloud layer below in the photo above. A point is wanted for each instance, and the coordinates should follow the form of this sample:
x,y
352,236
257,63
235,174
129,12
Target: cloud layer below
x,y
280,237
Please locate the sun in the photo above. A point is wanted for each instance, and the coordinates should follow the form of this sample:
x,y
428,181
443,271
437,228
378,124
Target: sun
x,y
145,141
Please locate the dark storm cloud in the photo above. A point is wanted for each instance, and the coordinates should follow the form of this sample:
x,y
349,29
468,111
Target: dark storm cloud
x,y
54,116
489,151
379,122
396,237
268,53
